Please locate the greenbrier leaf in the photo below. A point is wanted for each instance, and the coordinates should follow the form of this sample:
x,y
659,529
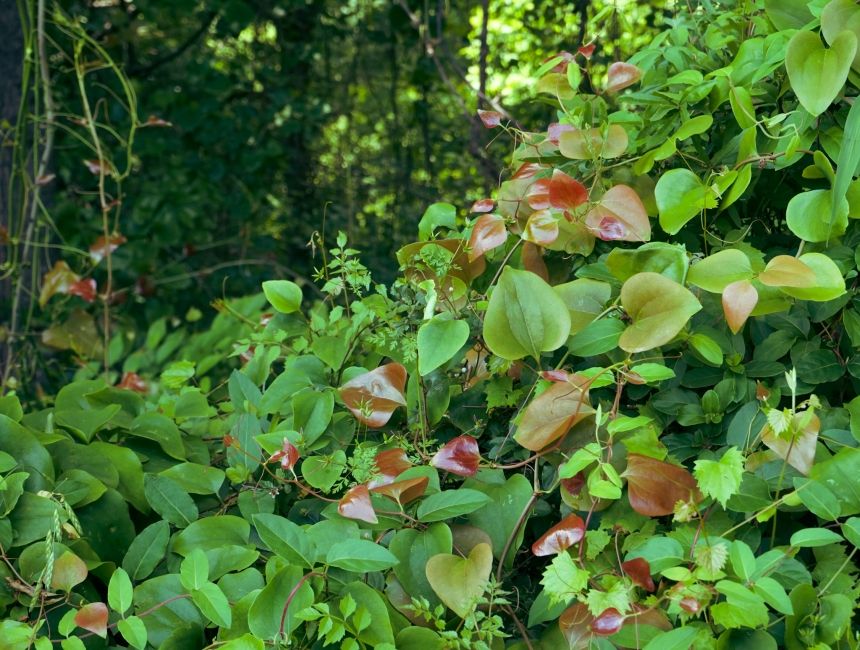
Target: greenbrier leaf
x,y
838,16
285,296
813,217
720,479
436,215
717,271
439,339
817,73
680,196
829,283
525,317
659,309
459,582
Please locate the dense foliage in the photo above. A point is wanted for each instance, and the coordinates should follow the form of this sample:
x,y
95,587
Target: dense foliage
x,y
611,405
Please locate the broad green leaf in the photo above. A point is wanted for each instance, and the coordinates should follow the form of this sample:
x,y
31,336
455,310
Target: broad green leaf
x,y
707,348
597,337
829,283
818,499
69,571
413,548
450,503
147,550
284,538
849,152
169,500
439,339
743,560
134,631
851,530
499,516
267,615
162,430
360,556
194,570
788,14
720,479
120,591
678,639
811,537
525,317
837,16
211,532
717,271
773,594
213,604
659,309
322,471
585,299
813,217
666,259
379,633
680,196
436,215
283,295
460,582
817,73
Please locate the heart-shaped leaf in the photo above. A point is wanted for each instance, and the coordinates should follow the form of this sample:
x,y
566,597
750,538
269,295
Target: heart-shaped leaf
x,y
655,486
817,73
739,300
355,504
588,144
837,16
829,283
563,535
787,271
460,582
608,622
808,216
585,299
373,396
414,548
93,618
389,465
659,309
488,233
552,413
722,268
283,295
639,571
439,339
565,193
69,571
621,75
538,194
680,196
619,215
459,456
525,317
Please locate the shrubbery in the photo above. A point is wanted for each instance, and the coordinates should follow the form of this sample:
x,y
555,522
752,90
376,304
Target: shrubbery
x,y
615,407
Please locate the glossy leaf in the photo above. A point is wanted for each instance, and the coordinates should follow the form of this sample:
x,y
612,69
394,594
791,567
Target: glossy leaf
x,y
459,456
829,283
389,464
552,413
607,622
817,73
560,537
739,299
488,233
283,295
655,486
680,196
93,618
590,144
525,317
405,491
355,504
621,75
639,571
619,215
565,193
373,396
812,216
490,119
659,309
459,582
439,339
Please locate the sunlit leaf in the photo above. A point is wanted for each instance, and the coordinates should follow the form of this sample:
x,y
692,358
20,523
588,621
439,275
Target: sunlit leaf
x,y
459,582
93,618
483,205
655,486
488,233
541,228
588,144
720,269
373,396
538,194
565,193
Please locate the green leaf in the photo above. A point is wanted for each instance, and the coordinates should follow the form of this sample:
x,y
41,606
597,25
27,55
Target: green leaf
x,y
284,538
147,550
460,582
839,474
450,503
774,595
818,499
120,591
194,570
213,604
525,317
720,479
666,259
680,196
717,271
499,516
212,532
829,283
651,373
360,556
743,560
435,216
283,295
707,348
134,631
413,548
814,216
598,337
563,579
585,299
817,73
169,500
659,309
849,156
742,608
322,471
439,339
812,537
162,430
678,639
851,530
788,14
267,612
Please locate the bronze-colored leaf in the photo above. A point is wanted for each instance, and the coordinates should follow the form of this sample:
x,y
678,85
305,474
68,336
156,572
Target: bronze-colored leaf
x,y
356,504
739,299
488,233
621,75
639,571
619,215
102,246
538,194
58,280
566,193
491,119
483,205
787,271
373,396
93,618
575,626
389,465
532,260
85,289
655,486
459,456
404,491
608,622
552,413
563,535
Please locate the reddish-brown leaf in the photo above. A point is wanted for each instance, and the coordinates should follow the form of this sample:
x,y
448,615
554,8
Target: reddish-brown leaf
x,y
57,280
156,121
93,618
97,167
85,289
608,622
587,50
532,260
639,571
554,131
459,456
690,604
288,455
621,75
552,413
373,396
561,66
566,193
538,194
555,375
527,170
404,491
563,535
541,228
619,215
739,299
45,179
101,247
654,486
355,504
574,484
787,271
389,465
491,119
575,626
483,205
132,381
489,232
